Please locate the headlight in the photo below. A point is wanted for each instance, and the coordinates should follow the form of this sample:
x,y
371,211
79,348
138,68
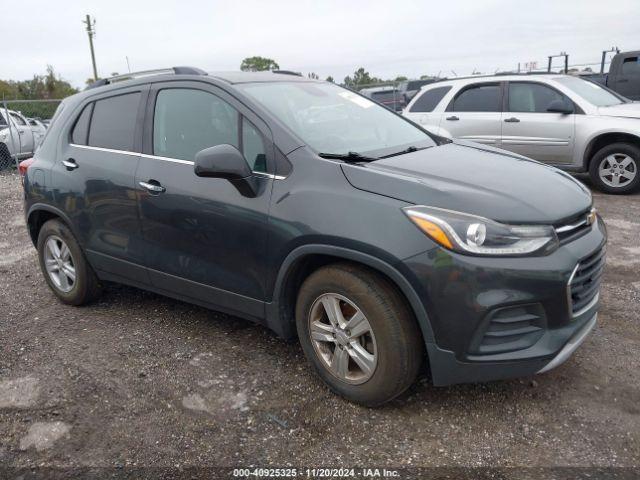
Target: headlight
x,y
475,235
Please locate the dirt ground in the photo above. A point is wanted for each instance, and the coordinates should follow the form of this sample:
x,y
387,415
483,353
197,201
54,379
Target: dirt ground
x,y
140,380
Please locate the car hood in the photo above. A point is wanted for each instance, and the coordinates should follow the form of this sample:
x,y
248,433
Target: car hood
x,y
475,179
627,110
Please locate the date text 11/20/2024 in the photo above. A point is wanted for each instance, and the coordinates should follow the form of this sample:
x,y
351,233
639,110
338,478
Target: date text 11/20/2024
x,y
315,472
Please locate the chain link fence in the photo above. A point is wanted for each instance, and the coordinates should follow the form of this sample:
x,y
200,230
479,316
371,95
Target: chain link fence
x,y
12,146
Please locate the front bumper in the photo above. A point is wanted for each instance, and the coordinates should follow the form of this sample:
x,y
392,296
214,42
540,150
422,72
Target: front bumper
x,y
497,318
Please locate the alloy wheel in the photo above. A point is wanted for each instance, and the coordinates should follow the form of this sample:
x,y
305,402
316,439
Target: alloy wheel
x,y
342,338
59,264
617,170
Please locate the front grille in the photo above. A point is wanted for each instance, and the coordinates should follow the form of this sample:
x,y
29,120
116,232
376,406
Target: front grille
x,y
509,329
584,284
573,228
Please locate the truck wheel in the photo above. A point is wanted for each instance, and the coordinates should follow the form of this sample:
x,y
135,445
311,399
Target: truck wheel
x,y
358,333
614,168
64,266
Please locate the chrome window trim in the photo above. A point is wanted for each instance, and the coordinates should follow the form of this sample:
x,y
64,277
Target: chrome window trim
x,y
165,159
568,228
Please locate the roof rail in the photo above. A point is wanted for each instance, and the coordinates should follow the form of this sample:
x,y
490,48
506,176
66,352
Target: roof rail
x,y
145,73
287,72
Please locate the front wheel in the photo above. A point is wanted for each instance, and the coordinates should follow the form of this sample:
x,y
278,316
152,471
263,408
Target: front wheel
x,y
358,333
614,168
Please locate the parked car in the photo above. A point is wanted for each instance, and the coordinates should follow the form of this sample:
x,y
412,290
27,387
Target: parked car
x,y
16,137
38,129
624,75
573,124
373,241
409,88
389,97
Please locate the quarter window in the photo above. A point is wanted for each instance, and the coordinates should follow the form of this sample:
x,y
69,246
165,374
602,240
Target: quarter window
x,y
533,97
478,98
18,119
81,128
429,99
187,121
113,122
253,147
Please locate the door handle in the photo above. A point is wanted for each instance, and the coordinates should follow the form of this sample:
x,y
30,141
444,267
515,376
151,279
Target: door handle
x,y
152,187
21,132
512,120
70,164
452,118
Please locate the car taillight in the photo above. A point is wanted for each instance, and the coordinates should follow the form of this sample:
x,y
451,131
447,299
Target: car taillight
x,y
22,167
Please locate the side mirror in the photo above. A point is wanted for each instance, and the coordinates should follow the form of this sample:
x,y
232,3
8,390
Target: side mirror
x,y
558,106
221,161
226,161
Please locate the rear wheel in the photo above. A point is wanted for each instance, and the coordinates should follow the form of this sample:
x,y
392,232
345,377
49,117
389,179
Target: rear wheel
x,y
358,333
614,168
64,266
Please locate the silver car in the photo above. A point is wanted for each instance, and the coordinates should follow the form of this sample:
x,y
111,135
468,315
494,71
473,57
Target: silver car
x,y
16,137
561,120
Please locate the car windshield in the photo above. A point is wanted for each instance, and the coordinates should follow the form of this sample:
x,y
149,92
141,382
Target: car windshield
x,y
591,92
331,119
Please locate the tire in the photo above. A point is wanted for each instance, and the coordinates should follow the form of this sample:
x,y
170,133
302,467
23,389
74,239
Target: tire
x,y
79,291
394,341
617,180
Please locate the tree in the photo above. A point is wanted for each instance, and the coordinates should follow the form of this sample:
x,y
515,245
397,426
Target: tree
x,y
330,79
401,78
360,78
258,64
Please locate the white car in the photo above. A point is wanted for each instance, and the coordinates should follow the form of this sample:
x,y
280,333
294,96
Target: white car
x,y
16,137
39,131
565,121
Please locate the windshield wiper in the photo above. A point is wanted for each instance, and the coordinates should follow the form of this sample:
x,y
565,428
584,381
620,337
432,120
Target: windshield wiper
x,y
402,152
350,157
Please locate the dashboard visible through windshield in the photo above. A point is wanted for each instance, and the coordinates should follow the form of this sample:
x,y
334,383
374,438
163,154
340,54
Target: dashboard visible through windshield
x,y
332,119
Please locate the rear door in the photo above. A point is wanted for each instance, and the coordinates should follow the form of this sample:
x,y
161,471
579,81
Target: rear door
x,y
95,175
475,113
206,238
530,130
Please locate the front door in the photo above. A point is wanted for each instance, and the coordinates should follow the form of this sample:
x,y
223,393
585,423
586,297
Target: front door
x,y
530,130
206,239
474,114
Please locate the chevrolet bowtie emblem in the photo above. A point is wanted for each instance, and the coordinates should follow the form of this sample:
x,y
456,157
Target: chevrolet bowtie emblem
x,y
591,217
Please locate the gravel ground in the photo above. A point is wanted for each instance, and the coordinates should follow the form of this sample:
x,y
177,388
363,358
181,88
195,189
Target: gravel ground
x,y
142,380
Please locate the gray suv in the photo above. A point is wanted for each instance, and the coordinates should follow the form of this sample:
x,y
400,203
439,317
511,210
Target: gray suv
x,y
565,121
314,211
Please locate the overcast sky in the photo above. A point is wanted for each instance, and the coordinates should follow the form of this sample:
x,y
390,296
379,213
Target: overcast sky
x,y
388,38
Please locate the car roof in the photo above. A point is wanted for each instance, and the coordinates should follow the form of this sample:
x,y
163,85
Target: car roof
x,y
501,77
253,77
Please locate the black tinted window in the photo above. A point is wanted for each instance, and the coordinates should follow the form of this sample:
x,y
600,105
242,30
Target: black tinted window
x,y
113,122
2,120
81,129
630,66
429,99
479,98
533,97
187,121
253,147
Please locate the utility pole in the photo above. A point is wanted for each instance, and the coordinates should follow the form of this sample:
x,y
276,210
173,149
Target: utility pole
x,y
91,31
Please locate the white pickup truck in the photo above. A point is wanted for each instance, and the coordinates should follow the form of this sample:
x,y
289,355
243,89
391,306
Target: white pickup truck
x,y
16,137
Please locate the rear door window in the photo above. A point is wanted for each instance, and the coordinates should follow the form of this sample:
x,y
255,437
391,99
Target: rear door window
x,y
429,99
479,98
188,120
113,122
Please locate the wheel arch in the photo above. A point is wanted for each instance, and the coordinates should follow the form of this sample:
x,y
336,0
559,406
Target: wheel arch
x,y
39,214
304,260
606,138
